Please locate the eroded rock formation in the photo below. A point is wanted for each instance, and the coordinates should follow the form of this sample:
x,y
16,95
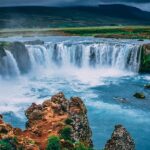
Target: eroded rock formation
x,y
51,118
120,140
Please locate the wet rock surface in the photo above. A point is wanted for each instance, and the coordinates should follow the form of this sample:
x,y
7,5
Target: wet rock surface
x,y
147,86
139,95
120,140
145,58
21,55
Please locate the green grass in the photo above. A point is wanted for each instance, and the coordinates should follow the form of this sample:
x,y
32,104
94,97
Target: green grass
x,y
128,32
140,32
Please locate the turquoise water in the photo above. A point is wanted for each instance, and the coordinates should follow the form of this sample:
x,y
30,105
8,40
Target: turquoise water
x,y
100,89
98,94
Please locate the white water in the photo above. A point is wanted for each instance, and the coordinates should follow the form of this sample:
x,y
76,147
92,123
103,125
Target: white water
x,y
9,65
94,71
100,55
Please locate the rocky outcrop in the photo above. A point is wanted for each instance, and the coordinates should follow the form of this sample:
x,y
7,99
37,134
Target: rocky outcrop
x,y
21,55
147,86
58,116
19,52
139,95
120,140
145,59
2,51
81,129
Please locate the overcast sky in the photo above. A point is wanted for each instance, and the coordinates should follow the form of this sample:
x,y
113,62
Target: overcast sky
x,y
143,4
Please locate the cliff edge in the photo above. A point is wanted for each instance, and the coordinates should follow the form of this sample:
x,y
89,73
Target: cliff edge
x,y
58,118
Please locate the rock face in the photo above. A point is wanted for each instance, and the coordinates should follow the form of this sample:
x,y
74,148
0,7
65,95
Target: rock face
x,y
51,118
145,59
2,51
21,55
120,140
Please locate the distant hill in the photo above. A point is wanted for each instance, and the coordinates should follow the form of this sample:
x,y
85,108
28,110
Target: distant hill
x,y
38,16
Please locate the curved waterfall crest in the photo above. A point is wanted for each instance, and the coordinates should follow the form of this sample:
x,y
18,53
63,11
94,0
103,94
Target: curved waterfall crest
x,y
121,56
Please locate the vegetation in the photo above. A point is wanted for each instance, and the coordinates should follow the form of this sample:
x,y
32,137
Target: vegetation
x,y
53,143
145,59
134,32
68,121
80,146
7,144
130,32
65,133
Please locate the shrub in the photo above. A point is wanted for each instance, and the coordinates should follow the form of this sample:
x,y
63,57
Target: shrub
x,y
80,146
66,133
68,121
6,145
53,143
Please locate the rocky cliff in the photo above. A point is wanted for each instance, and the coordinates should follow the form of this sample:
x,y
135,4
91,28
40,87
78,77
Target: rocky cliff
x,y
58,124
120,140
145,58
65,119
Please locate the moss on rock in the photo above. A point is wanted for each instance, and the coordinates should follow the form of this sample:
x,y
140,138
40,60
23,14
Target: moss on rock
x,y
139,95
145,59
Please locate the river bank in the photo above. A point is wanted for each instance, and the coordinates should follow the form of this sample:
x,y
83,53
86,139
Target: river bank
x,y
118,32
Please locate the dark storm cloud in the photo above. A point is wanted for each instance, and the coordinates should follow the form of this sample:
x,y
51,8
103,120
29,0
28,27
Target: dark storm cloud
x,y
145,4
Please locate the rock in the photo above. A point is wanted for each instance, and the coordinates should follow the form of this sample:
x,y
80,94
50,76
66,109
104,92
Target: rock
x,y
145,59
139,95
120,99
140,39
36,42
48,119
47,103
33,109
147,86
120,140
2,51
76,101
80,124
1,117
21,55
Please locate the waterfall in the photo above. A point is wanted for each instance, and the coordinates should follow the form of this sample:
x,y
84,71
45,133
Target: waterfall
x,y
122,56
97,55
8,66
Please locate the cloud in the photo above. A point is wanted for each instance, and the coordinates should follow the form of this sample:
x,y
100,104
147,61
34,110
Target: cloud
x,y
143,4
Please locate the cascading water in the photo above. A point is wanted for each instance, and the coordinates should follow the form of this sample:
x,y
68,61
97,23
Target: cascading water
x,y
80,55
124,57
8,65
97,70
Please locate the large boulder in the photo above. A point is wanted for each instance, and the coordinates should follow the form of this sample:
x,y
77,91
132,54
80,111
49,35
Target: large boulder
x,y
139,95
120,140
